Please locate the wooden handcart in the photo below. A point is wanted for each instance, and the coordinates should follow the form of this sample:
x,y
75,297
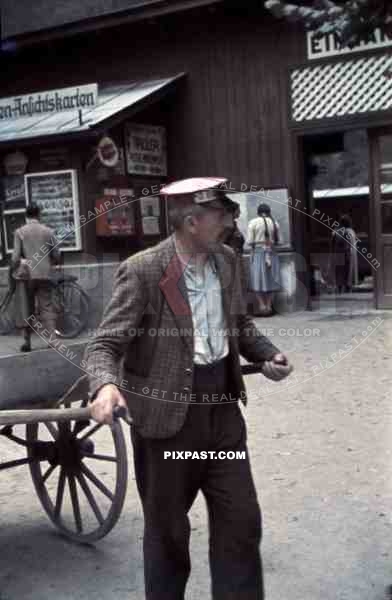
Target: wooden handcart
x,y
79,468
79,476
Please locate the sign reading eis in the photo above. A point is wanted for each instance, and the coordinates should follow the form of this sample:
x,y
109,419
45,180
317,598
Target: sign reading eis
x,y
328,44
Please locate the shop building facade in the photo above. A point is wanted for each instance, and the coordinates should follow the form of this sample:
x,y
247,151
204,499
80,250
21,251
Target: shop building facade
x,y
182,90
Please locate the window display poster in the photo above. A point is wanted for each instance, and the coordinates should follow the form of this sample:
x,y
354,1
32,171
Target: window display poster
x,y
11,222
14,192
56,194
145,147
115,217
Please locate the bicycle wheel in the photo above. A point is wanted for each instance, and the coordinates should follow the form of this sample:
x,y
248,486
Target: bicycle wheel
x,y
7,313
72,307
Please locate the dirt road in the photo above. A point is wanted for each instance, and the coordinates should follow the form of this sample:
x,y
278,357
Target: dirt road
x,y
322,457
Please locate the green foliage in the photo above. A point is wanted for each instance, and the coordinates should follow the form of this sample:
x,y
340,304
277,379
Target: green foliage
x,y
352,21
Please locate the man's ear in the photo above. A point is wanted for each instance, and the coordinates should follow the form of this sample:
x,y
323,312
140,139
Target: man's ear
x,y
189,222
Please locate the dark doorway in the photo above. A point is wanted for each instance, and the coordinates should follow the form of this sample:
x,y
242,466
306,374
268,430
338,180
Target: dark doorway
x,y
337,185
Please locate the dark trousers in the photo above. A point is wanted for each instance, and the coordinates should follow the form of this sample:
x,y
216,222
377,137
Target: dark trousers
x,y
35,297
168,488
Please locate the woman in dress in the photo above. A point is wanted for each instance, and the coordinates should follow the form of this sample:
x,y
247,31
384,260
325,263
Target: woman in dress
x,y
264,276
344,259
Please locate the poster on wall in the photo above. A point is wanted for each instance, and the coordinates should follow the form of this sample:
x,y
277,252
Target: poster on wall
x,y
145,147
149,206
56,194
278,200
116,213
150,225
14,192
11,222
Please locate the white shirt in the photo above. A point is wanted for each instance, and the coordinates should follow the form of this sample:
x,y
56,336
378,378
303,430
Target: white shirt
x,y
256,230
205,297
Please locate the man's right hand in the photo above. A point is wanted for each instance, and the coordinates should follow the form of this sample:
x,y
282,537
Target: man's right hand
x,y
103,405
277,368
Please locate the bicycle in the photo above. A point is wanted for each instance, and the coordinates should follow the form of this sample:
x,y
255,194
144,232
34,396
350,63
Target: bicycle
x,y
70,301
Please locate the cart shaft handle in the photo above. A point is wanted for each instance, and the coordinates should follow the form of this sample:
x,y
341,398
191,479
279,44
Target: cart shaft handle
x,y
42,415
47,415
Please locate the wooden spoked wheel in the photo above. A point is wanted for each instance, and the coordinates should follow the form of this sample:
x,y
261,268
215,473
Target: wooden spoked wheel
x,y
80,474
72,307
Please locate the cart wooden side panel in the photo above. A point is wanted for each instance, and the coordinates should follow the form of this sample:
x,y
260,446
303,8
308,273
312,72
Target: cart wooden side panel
x,y
39,378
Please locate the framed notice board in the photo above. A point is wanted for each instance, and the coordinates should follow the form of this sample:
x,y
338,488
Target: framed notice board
x,y
56,193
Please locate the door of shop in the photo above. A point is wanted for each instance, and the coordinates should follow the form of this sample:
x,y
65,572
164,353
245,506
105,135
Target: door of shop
x,y
380,255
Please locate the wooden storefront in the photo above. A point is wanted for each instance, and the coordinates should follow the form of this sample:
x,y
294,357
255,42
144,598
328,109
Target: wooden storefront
x,y
227,117
240,111
338,91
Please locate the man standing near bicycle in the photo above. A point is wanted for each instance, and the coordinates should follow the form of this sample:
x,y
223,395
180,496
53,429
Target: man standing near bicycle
x,y
35,252
177,323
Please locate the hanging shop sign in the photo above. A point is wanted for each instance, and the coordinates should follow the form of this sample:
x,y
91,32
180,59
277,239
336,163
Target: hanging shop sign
x,y
108,152
15,163
329,45
115,212
49,102
56,194
145,147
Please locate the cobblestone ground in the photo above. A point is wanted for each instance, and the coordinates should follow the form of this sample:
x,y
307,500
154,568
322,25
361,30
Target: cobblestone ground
x,y
321,454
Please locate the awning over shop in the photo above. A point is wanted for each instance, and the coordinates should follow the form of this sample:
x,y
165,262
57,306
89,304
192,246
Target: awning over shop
x,y
113,100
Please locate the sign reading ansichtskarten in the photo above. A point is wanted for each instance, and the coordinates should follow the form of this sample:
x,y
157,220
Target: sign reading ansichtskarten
x,y
49,102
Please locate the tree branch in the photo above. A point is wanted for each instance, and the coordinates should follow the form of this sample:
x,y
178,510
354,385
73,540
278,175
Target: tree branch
x,y
353,21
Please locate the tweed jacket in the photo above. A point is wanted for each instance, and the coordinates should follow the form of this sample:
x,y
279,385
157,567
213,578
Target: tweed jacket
x,y
145,341
38,244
